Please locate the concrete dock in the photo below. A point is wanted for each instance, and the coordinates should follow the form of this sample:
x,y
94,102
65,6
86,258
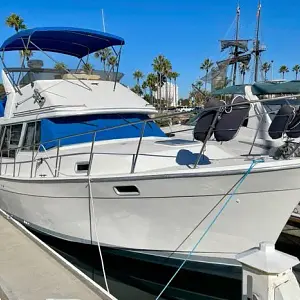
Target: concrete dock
x,y
30,270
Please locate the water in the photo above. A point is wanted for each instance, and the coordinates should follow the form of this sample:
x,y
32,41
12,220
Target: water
x,y
88,261
132,279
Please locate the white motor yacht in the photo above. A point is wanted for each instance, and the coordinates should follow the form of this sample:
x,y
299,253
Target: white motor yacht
x,y
82,161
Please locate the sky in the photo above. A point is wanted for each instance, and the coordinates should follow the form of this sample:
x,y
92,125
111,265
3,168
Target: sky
x,y
185,31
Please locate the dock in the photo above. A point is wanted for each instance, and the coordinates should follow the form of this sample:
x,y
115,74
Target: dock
x,y
31,270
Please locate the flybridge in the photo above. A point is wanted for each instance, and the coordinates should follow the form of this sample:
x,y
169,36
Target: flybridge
x,y
65,40
76,42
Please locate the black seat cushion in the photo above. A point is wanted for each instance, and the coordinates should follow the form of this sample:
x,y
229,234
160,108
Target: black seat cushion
x,y
232,119
294,126
206,119
281,121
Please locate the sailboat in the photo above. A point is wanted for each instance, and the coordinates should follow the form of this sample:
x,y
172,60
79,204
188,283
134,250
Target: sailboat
x,y
239,53
225,72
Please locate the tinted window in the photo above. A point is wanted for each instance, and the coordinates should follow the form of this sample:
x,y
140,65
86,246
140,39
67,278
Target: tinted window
x,y
11,140
1,134
32,135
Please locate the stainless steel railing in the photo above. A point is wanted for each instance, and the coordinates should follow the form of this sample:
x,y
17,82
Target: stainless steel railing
x,y
35,147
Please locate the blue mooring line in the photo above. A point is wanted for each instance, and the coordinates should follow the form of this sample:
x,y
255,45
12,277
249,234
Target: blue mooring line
x,y
241,180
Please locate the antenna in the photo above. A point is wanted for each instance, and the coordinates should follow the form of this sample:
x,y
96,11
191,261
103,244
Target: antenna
x,y
103,21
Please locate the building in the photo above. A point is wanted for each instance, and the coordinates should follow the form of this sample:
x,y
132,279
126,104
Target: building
x,y
169,91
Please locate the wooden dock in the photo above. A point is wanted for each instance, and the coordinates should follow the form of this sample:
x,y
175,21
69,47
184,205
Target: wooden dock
x,y
30,270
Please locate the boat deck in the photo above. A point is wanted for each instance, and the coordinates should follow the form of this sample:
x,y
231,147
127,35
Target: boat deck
x,y
31,270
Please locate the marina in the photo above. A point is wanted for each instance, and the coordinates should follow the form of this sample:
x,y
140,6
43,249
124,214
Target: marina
x,y
115,192
29,269
63,279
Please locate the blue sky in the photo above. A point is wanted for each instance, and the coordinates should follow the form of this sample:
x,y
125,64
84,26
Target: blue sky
x,y
185,31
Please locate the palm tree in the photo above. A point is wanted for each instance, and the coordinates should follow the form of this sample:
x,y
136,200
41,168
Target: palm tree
x,y
265,68
112,61
206,65
144,86
175,75
168,94
87,68
159,67
26,54
137,75
283,69
138,90
166,73
152,84
296,69
60,66
16,22
104,55
197,93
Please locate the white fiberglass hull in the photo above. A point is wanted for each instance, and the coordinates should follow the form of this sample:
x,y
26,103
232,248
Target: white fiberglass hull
x,y
163,215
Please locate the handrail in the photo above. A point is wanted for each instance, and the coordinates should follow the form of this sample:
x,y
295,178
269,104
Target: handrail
x,y
138,148
166,116
144,122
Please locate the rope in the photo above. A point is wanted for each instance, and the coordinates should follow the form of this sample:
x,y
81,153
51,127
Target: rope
x,y
95,228
205,217
241,180
229,28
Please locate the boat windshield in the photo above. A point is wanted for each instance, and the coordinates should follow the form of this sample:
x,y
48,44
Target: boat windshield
x,y
25,76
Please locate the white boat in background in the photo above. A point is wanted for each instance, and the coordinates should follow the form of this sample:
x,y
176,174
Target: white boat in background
x,y
78,150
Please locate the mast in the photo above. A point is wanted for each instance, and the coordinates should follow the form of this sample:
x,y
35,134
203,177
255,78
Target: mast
x,y
239,53
236,48
257,49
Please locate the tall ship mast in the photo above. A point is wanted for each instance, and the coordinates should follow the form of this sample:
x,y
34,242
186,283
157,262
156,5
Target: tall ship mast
x,y
239,52
236,48
257,47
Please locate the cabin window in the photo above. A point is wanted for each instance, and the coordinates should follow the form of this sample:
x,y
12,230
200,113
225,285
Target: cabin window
x,y
33,128
81,126
1,134
12,134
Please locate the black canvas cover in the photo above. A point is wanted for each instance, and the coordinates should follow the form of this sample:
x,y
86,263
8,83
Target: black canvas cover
x,y
281,121
294,126
232,119
206,119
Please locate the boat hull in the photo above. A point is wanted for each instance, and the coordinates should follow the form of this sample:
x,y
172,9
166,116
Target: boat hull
x,y
164,213
150,273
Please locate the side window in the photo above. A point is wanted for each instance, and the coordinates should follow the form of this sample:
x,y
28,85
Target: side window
x,y
33,127
1,135
5,142
11,140
15,135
